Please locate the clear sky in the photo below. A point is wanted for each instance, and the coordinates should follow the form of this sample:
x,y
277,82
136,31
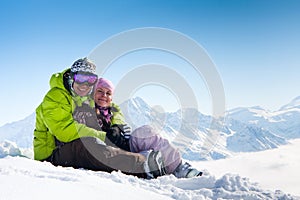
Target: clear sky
x,y
254,44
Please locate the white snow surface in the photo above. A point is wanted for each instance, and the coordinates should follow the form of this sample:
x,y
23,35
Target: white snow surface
x,y
24,178
272,169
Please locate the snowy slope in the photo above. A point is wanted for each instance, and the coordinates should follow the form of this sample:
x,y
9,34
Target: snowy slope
x,y
274,168
23,178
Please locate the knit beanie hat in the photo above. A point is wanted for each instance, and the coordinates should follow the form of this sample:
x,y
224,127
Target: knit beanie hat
x,y
105,84
83,65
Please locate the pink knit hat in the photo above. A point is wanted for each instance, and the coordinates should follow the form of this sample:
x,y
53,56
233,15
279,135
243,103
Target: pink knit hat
x,y
105,84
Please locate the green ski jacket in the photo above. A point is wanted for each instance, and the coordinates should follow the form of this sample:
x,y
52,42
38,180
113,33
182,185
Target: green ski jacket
x,y
54,119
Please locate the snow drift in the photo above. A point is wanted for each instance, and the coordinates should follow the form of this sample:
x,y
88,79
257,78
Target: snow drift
x,y
24,178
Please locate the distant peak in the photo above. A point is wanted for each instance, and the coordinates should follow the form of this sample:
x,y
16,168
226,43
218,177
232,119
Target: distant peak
x,y
257,108
293,104
296,100
137,98
242,109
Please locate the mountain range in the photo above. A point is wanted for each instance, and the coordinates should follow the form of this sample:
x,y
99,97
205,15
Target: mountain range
x,y
198,136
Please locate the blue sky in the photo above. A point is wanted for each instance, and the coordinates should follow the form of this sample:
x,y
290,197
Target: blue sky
x,y
255,44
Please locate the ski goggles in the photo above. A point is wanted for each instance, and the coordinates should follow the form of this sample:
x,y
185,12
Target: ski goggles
x,y
90,79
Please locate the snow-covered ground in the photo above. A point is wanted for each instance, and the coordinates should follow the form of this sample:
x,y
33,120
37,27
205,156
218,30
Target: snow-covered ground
x,y
274,170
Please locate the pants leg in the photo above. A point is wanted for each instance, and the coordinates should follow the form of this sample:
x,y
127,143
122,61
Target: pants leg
x,y
145,138
87,153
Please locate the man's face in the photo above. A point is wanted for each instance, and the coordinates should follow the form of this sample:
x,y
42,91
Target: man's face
x,y
83,83
82,89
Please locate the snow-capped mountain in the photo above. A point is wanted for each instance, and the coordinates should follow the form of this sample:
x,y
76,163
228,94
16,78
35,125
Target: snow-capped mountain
x,y
284,122
20,132
244,130
295,103
249,138
198,136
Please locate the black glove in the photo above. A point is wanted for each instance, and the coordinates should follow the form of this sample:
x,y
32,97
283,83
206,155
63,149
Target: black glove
x,y
125,129
115,137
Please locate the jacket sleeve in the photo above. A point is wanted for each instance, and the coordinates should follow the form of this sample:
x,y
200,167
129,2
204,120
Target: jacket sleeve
x,y
57,115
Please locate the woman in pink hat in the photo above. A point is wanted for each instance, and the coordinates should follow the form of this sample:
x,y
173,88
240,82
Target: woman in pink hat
x,y
143,139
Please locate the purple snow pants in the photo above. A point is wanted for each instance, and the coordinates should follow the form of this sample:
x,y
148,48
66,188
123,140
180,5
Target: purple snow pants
x,y
145,138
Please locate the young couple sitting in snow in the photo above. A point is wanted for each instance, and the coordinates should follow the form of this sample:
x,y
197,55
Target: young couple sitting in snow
x,y
78,125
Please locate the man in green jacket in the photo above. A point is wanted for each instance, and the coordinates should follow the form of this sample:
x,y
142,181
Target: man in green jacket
x,y
68,134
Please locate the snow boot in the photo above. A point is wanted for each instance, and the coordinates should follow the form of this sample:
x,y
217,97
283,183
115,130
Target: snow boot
x,y
154,165
186,171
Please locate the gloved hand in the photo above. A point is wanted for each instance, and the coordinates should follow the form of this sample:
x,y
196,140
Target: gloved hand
x,y
125,129
115,137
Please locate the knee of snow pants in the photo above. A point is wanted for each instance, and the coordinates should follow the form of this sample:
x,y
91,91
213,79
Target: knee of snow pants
x,y
145,138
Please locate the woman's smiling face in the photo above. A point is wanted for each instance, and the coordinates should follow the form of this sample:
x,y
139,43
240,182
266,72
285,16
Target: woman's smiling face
x,y
103,97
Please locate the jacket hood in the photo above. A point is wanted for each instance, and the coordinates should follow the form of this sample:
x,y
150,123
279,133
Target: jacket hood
x,y
57,80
